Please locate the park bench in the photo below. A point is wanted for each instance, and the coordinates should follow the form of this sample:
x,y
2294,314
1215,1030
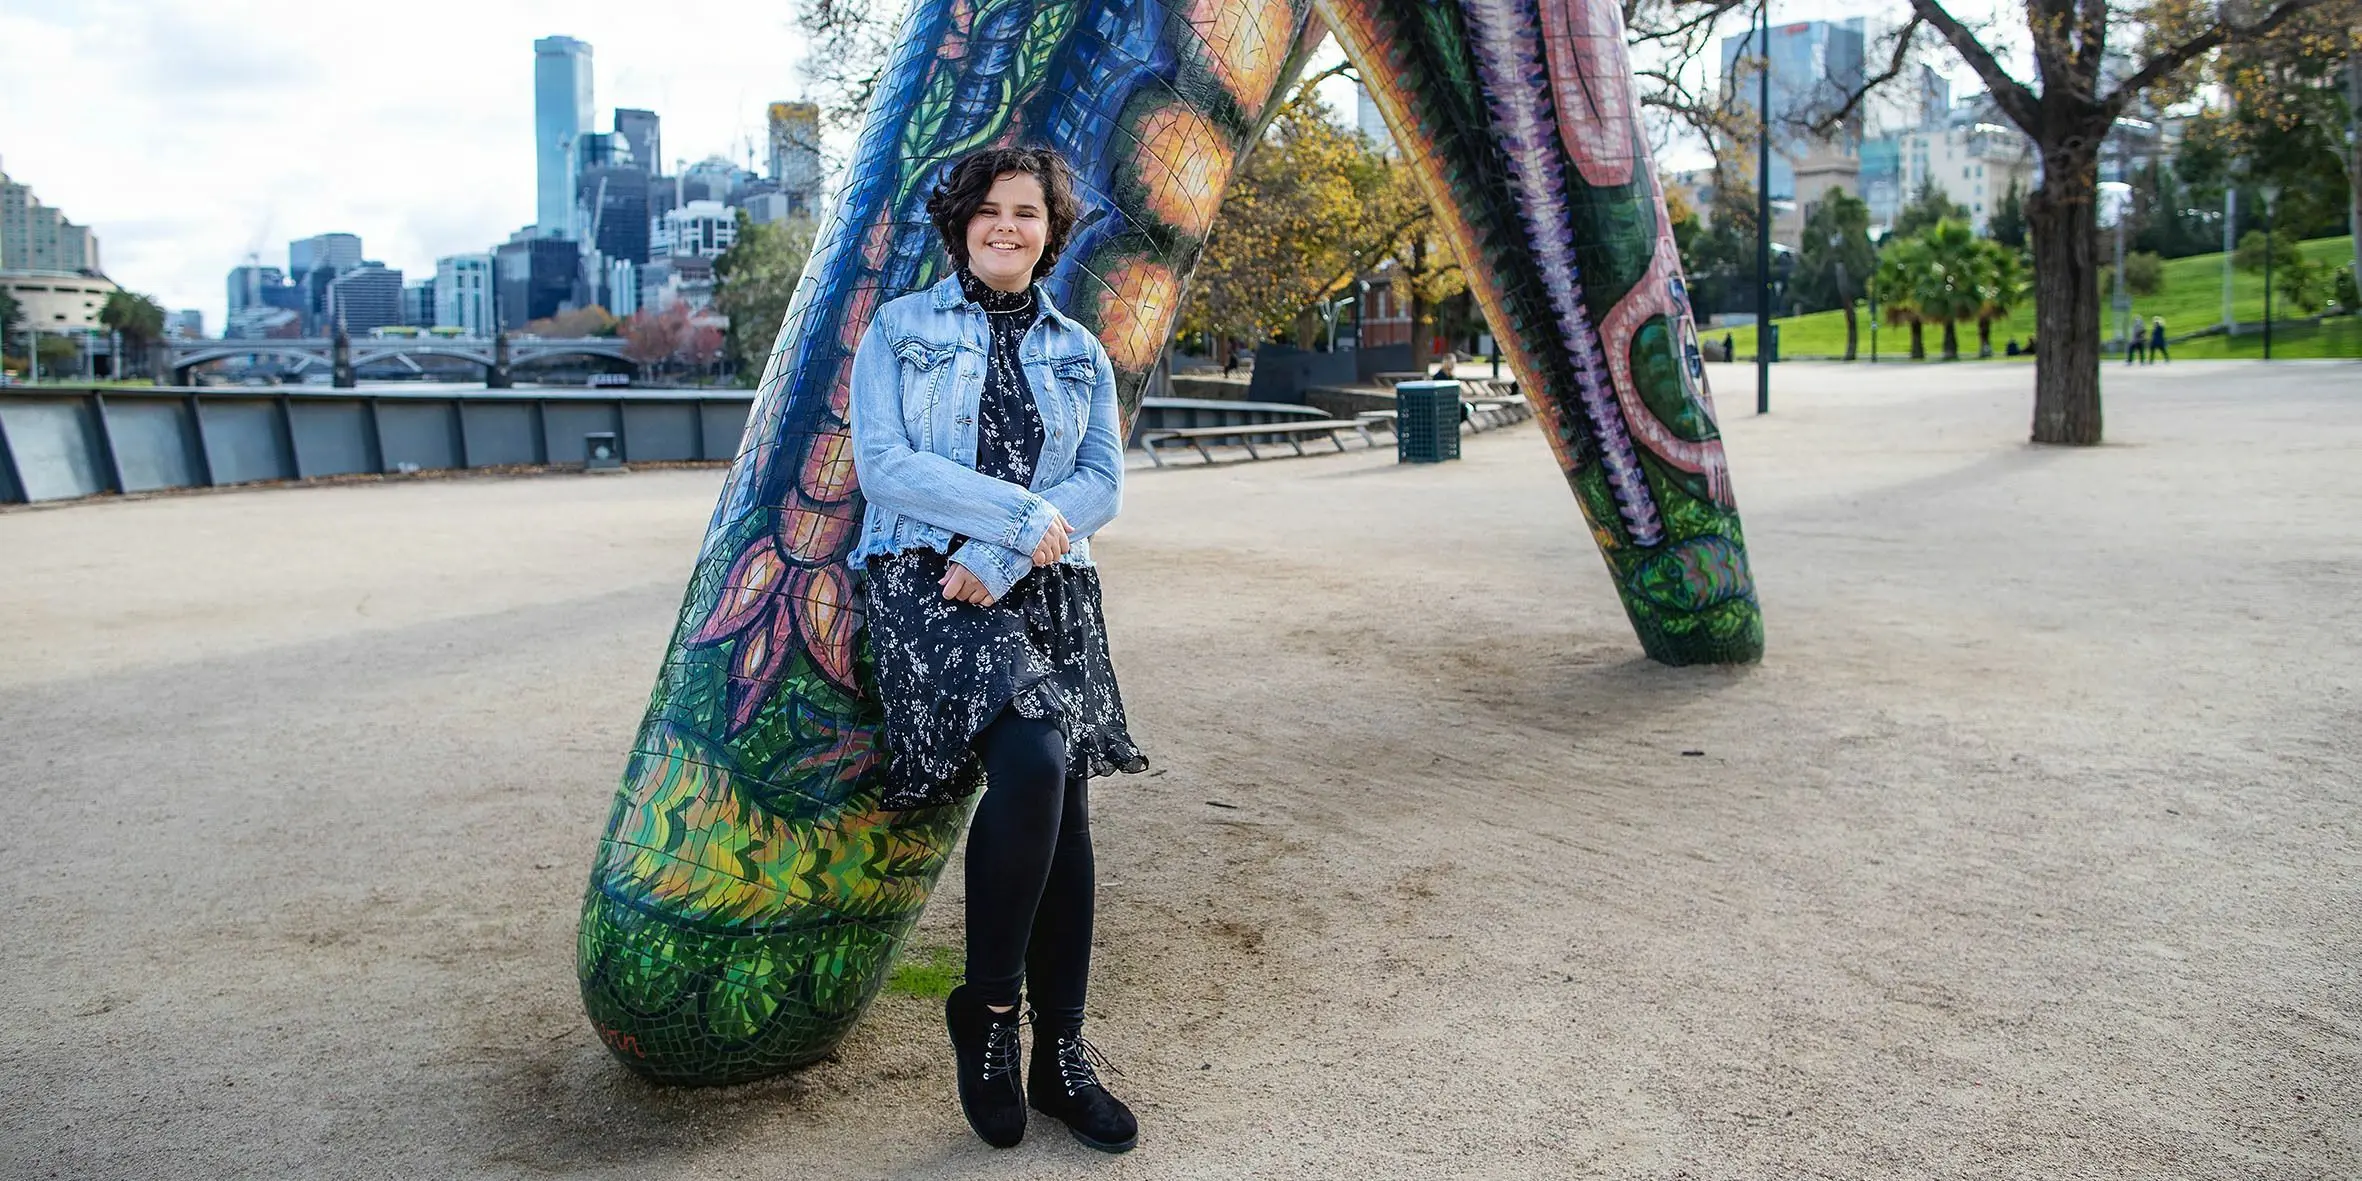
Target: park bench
x,y
1292,433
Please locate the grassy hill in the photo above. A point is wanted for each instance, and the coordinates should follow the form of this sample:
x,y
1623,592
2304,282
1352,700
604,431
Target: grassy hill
x,y
2191,299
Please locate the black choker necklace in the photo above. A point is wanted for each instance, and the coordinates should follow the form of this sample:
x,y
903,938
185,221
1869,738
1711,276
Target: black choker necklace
x,y
991,298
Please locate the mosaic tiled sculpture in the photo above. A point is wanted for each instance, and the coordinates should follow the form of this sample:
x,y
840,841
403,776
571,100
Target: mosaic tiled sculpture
x,y
748,895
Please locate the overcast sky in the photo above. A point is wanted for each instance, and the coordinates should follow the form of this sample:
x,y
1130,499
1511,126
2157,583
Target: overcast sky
x,y
190,133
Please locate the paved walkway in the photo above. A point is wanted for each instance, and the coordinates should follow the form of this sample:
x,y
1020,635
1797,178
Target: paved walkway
x,y
2030,850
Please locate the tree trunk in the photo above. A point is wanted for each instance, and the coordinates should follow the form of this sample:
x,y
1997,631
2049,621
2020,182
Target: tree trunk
x,y
1918,341
1417,272
2063,221
1951,340
1850,330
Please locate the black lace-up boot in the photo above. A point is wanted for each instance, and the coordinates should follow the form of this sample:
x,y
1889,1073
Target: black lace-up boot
x,y
984,1043
1066,1088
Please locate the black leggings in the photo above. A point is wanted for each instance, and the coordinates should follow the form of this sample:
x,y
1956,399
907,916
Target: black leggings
x,y
1029,873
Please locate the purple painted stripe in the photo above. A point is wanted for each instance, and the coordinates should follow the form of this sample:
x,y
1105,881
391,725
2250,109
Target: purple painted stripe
x,y
1517,93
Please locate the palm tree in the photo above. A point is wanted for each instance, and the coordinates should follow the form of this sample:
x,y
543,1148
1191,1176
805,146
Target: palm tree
x,y
2002,287
136,320
1900,267
1948,285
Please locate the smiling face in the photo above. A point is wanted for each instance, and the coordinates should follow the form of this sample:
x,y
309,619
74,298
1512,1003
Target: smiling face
x,y
1008,231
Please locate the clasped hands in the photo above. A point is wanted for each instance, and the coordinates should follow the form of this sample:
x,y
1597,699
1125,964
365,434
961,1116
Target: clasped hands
x,y
961,585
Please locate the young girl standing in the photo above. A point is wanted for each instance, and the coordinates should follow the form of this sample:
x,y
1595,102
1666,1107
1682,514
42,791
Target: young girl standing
x,y
986,438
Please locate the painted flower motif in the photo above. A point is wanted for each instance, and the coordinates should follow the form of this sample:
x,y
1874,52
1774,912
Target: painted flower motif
x,y
1245,44
1137,311
788,591
1184,165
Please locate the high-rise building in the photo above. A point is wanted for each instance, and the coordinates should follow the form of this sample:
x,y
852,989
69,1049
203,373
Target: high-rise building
x,y
364,298
1370,121
185,324
699,229
561,116
36,237
418,304
253,286
533,278
622,297
795,154
463,293
1815,67
714,178
644,131
1970,160
613,200
313,264
337,252
601,149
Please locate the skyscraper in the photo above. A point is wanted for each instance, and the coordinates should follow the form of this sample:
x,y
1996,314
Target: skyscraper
x,y
337,252
37,237
252,287
534,278
1815,67
644,132
613,199
561,114
312,265
795,154
366,297
418,304
463,293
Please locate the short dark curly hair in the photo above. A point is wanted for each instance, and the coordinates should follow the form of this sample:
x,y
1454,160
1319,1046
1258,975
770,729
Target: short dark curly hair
x,y
954,203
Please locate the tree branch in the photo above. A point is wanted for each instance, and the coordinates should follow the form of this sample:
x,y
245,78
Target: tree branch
x,y
1894,69
2164,64
2011,95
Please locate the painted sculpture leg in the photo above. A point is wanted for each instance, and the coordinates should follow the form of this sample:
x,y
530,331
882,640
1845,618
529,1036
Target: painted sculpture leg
x,y
748,895
1521,119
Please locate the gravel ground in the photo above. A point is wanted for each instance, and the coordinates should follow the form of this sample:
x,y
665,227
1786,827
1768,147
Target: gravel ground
x,y
2030,850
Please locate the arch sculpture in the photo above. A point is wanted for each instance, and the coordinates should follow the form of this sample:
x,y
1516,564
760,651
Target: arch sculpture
x,y
748,895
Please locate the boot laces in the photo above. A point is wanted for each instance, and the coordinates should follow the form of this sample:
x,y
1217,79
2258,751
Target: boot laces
x,y
1076,1055
1000,1044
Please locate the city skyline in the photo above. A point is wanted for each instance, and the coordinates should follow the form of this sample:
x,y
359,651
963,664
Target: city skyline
x,y
173,150
437,160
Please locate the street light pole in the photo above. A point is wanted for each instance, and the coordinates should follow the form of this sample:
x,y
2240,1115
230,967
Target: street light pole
x,y
2271,216
1763,329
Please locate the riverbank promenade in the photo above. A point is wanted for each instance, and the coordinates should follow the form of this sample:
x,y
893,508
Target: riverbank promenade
x,y
2030,849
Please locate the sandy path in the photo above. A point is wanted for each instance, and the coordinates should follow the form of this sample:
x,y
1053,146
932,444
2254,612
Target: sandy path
x,y
2031,849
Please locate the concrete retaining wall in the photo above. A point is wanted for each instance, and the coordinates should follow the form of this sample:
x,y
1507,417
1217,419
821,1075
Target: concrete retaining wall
x,y
62,443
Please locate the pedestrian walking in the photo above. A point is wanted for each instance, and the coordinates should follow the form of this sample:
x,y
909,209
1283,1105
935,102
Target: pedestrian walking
x,y
2157,339
986,476
2136,349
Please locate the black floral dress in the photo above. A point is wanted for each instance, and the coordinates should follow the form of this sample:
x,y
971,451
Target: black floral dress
x,y
946,669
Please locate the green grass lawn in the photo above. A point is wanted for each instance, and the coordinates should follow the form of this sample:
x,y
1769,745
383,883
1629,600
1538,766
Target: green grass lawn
x,y
2191,299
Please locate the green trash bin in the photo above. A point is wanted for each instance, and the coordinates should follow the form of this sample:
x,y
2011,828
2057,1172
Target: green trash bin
x,y
1426,421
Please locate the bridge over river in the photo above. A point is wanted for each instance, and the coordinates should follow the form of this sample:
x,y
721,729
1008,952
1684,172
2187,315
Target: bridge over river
x,y
341,356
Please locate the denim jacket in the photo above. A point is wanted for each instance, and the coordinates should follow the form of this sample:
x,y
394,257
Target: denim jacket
x,y
918,378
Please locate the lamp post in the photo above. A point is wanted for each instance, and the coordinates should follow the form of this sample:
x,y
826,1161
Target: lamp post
x,y
1763,327
2271,217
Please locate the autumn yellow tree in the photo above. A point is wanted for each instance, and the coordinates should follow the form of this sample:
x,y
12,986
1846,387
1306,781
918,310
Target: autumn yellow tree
x,y
1314,205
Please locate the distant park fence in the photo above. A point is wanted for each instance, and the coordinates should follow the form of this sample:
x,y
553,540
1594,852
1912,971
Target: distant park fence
x,y
59,443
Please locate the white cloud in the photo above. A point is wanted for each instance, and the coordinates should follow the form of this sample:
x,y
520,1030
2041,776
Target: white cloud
x,y
190,133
